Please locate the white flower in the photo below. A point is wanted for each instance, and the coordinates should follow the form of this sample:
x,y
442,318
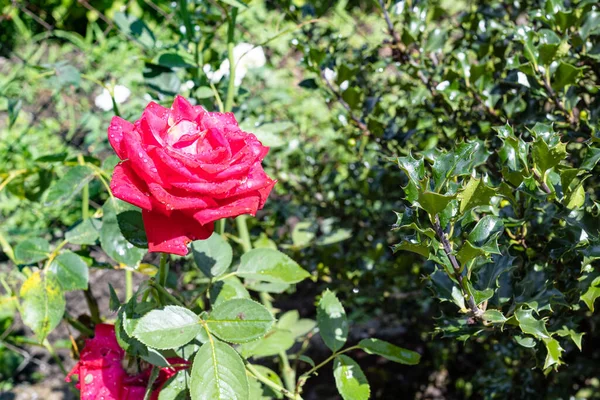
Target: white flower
x,y
246,57
104,101
329,74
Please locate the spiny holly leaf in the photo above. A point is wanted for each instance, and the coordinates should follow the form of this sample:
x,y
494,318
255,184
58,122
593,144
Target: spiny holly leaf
x,y
414,169
475,193
591,293
434,203
446,289
554,352
494,316
545,156
591,158
530,325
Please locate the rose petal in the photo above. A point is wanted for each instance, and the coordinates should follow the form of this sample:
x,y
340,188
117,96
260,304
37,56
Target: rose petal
x,y
246,205
171,234
182,109
256,179
125,185
154,124
116,130
214,189
141,162
170,202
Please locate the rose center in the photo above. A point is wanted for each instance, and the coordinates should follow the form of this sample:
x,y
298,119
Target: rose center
x,y
184,135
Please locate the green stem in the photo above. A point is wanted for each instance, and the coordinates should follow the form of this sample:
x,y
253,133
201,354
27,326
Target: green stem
x,y
165,294
128,284
163,269
52,352
163,273
92,305
270,383
79,326
289,375
85,197
306,375
230,44
153,376
242,226
221,226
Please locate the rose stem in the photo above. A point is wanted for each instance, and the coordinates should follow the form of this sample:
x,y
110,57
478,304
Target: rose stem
x,y
163,271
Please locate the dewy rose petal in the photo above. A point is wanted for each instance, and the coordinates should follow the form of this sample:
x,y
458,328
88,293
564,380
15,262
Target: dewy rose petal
x,y
187,168
102,376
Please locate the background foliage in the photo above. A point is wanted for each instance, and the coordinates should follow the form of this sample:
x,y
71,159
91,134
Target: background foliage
x,y
490,110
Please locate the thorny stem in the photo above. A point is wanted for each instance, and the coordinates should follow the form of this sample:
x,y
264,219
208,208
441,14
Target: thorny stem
x,y
477,312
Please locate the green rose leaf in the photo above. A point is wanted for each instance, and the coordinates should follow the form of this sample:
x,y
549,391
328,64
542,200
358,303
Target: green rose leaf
x,y
168,328
43,303
32,250
332,322
176,387
270,265
218,373
389,351
350,380
239,320
70,271
227,289
274,342
131,226
86,233
213,256
112,240
69,185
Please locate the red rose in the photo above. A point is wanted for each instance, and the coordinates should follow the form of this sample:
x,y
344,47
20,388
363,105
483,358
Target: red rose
x,y
102,376
186,168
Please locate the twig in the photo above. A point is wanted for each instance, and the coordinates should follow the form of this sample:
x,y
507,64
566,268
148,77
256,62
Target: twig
x,y
477,312
543,184
559,104
361,125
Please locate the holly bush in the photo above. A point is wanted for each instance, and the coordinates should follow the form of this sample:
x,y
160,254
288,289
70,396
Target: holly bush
x,y
436,167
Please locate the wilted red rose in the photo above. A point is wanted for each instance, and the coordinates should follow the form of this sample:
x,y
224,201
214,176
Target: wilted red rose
x,y
102,376
186,168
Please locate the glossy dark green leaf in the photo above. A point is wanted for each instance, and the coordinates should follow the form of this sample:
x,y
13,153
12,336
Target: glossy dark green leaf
x,y
475,193
566,74
530,325
434,203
